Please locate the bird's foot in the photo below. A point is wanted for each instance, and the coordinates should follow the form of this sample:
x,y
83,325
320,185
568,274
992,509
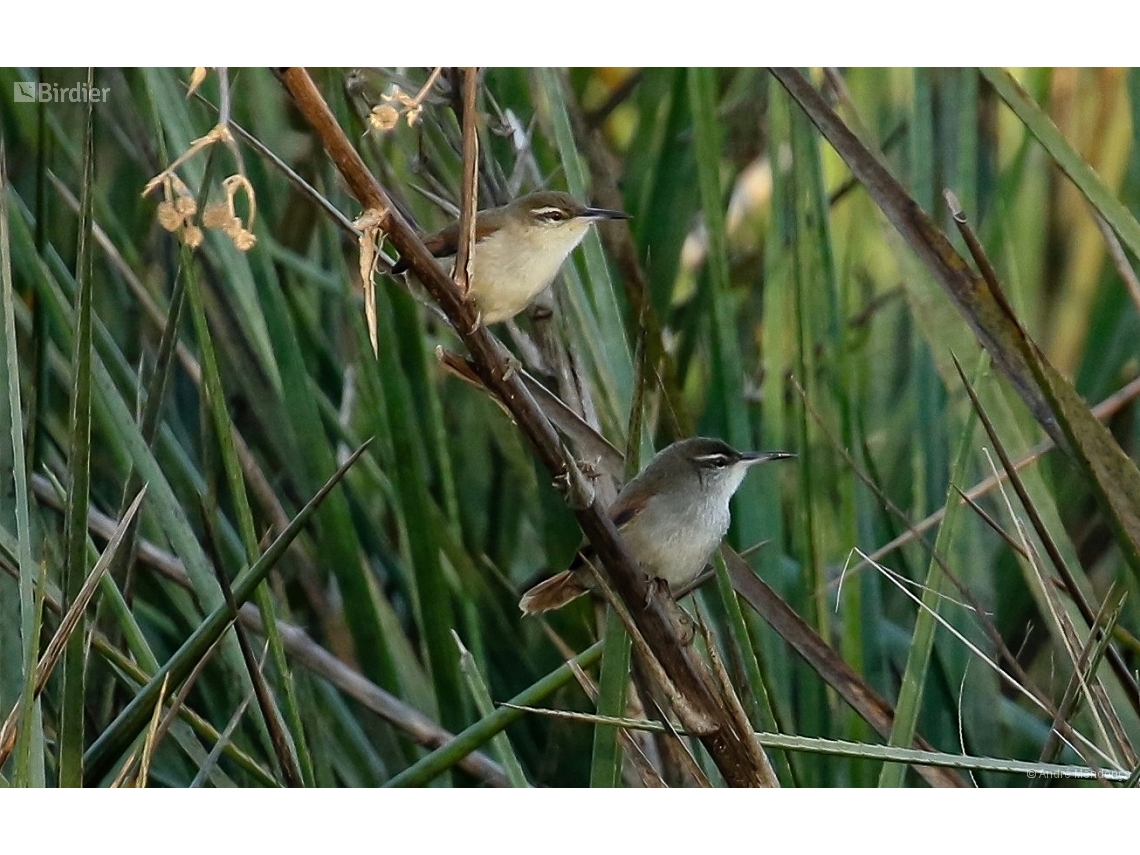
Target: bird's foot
x,y
658,588
589,468
478,323
513,365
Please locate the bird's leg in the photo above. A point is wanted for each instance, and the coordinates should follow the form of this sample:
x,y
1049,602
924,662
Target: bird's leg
x,y
478,322
513,365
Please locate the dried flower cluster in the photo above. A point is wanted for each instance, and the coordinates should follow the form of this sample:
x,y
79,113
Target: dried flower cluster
x,y
223,215
177,210
384,117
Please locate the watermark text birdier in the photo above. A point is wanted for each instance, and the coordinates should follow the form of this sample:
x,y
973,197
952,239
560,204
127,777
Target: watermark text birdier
x,y
53,93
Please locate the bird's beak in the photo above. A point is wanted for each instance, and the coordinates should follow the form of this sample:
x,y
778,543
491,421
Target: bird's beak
x,y
604,214
754,457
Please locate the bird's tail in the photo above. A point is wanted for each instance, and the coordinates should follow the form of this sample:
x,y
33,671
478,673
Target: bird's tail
x,y
554,593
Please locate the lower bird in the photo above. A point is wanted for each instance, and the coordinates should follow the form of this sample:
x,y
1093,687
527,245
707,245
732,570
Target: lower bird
x,y
672,517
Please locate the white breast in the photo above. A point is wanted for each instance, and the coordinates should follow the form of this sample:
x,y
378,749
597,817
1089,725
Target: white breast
x,y
511,269
674,553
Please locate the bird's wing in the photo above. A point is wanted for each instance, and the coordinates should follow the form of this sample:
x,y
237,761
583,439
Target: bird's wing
x,y
621,513
445,243
626,508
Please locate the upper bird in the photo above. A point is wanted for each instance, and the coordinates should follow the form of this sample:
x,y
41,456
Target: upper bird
x,y
519,248
672,517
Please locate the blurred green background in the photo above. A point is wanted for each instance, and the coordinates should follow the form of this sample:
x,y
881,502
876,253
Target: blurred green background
x,y
776,305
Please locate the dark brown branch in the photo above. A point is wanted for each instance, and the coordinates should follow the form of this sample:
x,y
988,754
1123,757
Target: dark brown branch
x,y
729,741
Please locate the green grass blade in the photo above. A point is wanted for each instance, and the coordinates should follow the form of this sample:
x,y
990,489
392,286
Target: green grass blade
x,y
29,750
119,426
211,762
807,317
613,683
223,430
887,753
104,752
486,707
79,471
134,670
432,591
606,762
603,317
663,175
425,770
337,539
754,694
918,657
727,380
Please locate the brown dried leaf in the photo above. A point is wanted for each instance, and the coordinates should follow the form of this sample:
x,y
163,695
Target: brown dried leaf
x,y
197,78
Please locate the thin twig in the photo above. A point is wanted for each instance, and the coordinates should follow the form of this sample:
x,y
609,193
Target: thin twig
x,y
469,192
418,99
983,619
1107,408
1119,259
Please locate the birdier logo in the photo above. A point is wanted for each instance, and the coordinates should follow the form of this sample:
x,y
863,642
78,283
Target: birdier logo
x,y
51,93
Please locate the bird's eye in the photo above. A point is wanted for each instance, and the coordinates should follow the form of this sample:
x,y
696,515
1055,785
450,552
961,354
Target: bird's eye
x,y
549,215
715,460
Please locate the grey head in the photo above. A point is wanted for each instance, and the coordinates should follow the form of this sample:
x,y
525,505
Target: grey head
x,y
696,469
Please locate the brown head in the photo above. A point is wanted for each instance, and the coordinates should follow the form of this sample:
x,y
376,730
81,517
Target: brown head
x,y
549,207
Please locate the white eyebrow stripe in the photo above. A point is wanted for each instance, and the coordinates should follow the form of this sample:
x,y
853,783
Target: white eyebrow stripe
x,y
546,212
715,457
